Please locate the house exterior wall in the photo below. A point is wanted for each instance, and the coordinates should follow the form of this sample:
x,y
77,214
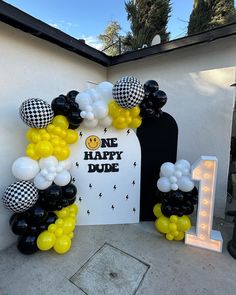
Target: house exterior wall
x,y
196,80
31,67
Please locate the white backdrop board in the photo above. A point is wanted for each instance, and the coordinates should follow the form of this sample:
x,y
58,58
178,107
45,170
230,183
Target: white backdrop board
x,y
106,171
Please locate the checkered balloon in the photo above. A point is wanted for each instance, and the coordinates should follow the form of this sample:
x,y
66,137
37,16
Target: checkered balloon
x,y
36,113
128,92
20,196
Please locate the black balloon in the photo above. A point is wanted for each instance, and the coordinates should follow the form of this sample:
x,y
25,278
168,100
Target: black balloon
x,y
51,218
159,99
50,197
71,95
37,215
74,117
60,105
27,244
150,86
20,225
69,191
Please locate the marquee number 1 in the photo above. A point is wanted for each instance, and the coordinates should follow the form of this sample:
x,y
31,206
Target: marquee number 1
x,y
205,171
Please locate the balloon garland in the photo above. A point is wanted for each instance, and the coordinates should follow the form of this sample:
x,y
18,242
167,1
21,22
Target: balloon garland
x,y
177,197
43,197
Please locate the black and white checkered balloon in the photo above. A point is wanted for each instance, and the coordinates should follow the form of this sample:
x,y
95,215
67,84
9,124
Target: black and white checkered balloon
x,y
128,92
36,113
20,196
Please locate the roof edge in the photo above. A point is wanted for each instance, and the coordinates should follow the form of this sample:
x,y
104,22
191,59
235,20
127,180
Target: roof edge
x,y
203,37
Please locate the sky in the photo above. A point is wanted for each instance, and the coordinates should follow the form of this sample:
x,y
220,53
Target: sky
x,y
86,19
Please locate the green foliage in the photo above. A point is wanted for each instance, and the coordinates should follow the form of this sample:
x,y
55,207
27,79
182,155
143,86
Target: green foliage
x,y
147,18
208,14
110,38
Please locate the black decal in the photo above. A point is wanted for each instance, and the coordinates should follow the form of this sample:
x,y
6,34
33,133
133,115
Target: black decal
x,y
77,164
135,164
128,132
100,195
127,197
114,187
109,142
88,212
112,207
133,182
90,186
105,130
80,134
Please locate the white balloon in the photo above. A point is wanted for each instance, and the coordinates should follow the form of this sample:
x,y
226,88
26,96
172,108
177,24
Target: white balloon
x,y
44,172
62,178
41,183
164,184
183,163
25,168
83,114
173,179
185,184
94,94
106,122
104,89
90,124
51,169
88,108
89,116
66,164
100,109
83,99
178,173
167,169
50,176
48,162
174,186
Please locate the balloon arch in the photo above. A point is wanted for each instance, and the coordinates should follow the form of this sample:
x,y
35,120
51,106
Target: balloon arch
x,y
43,198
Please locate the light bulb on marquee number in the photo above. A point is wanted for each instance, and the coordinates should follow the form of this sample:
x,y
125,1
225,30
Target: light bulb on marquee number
x,y
205,171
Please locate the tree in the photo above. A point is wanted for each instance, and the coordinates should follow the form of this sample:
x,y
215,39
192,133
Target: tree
x,y
111,39
208,14
148,18
200,17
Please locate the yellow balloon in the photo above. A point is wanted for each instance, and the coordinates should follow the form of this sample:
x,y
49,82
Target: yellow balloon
x,y
180,236
73,208
64,154
44,149
172,227
71,136
184,223
50,128
69,225
119,123
58,232
59,222
174,218
71,235
52,228
113,109
169,237
136,122
60,121
62,213
134,112
57,130
162,224
157,210
62,244
45,241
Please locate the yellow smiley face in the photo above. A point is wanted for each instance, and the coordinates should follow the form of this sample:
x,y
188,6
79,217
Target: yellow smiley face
x,y
93,142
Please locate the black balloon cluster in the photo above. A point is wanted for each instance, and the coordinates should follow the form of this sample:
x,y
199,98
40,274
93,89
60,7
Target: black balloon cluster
x,y
154,100
178,202
31,223
65,105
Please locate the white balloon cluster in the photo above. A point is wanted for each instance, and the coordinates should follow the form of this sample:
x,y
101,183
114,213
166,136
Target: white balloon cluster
x,y
44,172
175,176
94,105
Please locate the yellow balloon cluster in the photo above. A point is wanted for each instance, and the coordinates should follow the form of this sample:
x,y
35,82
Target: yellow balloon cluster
x,y
52,140
124,118
173,227
59,234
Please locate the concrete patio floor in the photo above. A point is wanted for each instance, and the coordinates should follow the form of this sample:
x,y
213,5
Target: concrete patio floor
x,y
169,267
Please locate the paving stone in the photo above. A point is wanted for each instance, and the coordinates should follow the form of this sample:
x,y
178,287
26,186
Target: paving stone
x,y
110,271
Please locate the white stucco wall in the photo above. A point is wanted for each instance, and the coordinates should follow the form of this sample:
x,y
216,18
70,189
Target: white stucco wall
x,y
196,80
30,67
